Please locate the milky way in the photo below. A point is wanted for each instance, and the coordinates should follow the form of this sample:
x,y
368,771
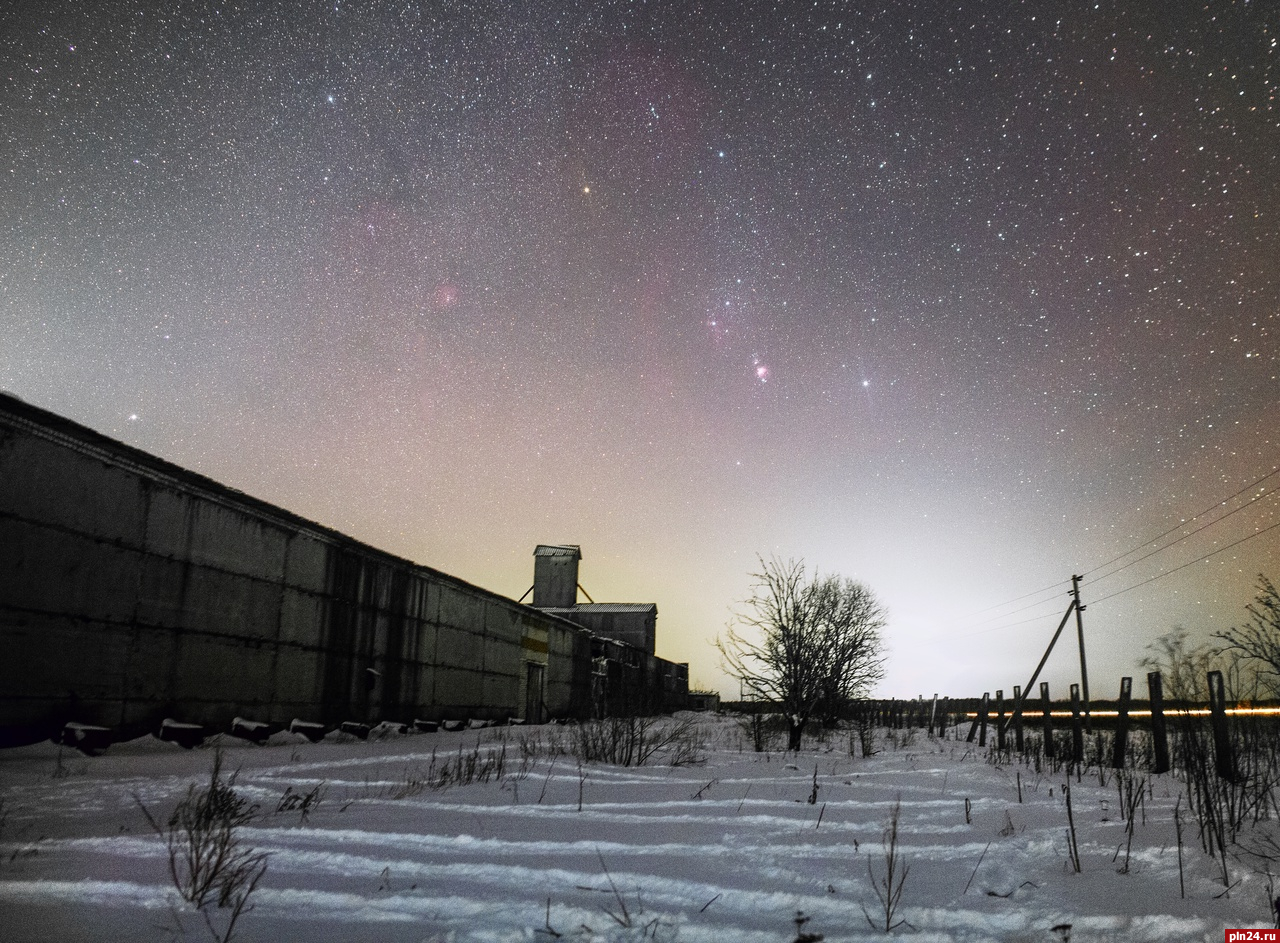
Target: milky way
x,y
954,299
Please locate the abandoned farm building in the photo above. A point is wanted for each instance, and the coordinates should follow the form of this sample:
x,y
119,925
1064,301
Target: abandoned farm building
x,y
133,590
555,590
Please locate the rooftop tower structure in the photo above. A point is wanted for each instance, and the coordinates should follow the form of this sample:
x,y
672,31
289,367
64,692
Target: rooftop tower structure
x,y
555,576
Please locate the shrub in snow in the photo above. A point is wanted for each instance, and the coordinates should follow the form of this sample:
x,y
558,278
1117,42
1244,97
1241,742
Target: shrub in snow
x,y
208,863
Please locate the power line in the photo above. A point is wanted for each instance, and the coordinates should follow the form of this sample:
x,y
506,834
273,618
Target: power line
x,y
1010,602
1174,543
1007,625
1159,576
1137,585
1014,612
1121,557
1181,524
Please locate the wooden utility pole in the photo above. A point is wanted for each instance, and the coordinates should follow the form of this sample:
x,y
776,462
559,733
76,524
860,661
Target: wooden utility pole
x,y
1026,692
1084,667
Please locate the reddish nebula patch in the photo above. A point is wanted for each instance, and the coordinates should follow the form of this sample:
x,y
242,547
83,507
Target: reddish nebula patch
x,y
446,295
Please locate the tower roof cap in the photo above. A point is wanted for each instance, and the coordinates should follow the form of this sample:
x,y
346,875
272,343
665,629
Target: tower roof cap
x,y
558,550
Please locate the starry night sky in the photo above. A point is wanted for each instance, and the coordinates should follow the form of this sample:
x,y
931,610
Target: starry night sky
x,y
956,299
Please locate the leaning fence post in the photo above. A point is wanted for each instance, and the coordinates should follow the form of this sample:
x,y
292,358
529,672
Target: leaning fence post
x,y
979,720
1017,717
1159,734
1000,720
1077,734
1122,723
1048,720
1226,764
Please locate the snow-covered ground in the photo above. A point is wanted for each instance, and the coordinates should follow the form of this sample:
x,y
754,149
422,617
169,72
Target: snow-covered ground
x,y
728,850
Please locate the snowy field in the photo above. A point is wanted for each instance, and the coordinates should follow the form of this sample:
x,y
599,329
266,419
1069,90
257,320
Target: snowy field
x,y
727,849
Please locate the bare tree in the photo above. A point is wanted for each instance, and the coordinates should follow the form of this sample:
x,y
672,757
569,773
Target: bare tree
x,y
1182,664
850,648
1257,642
818,642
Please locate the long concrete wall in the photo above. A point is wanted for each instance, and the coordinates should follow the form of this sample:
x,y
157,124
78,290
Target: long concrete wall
x,y
132,590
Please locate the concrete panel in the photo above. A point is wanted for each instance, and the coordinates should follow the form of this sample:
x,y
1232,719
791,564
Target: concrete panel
x,y
162,588
47,482
402,675
305,562
457,690
151,663
431,604
391,589
527,620
502,655
425,680
301,614
459,649
461,609
191,527
51,571
293,682
224,671
502,619
501,694
425,644
204,600
414,634
418,600
54,664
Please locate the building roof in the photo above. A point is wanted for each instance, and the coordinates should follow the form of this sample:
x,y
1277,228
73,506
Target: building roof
x,y
558,550
605,607
14,411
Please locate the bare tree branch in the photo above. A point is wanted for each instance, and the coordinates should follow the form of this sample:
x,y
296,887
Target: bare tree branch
x,y
819,642
1258,640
